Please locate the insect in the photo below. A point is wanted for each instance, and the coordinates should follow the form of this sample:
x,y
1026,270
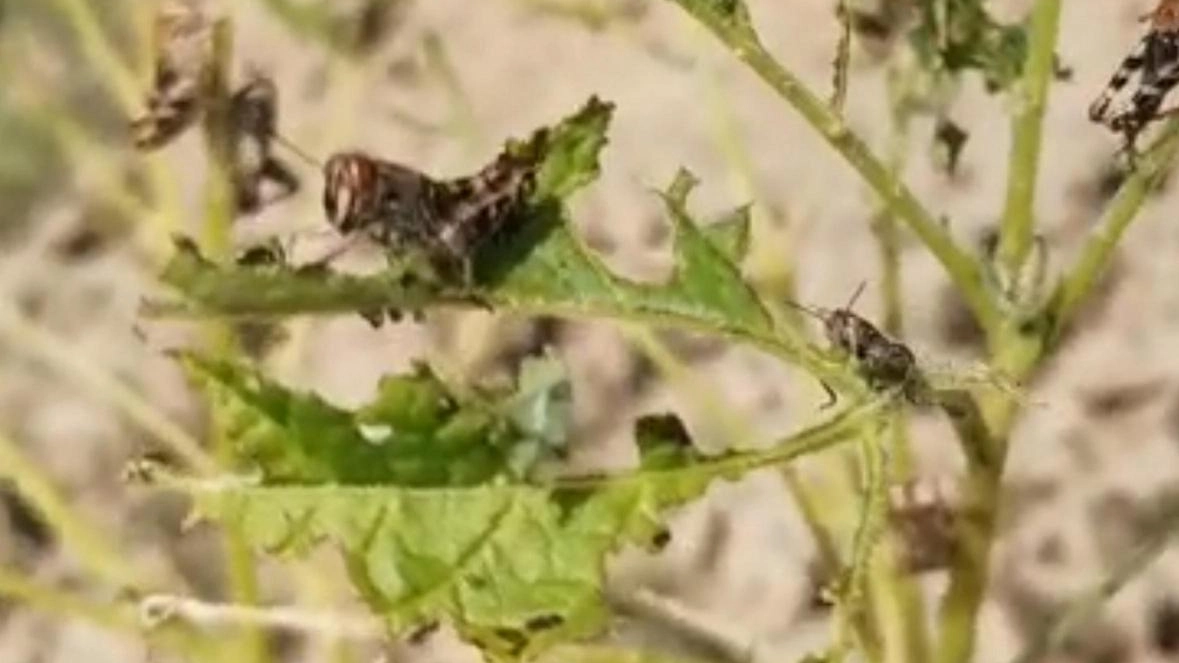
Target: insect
x,y
882,362
923,515
182,36
254,111
409,212
1156,59
183,55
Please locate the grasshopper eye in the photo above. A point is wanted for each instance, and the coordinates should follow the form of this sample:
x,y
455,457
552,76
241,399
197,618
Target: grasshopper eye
x,y
329,203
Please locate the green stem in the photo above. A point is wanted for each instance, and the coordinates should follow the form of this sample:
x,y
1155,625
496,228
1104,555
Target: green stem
x,y
219,144
93,550
116,74
1015,238
55,352
1017,358
220,211
812,508
1098,250
19,587
873,466
970,568
734,30
842,57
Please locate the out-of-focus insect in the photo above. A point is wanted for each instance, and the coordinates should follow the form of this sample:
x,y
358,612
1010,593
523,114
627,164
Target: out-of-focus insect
x,y
923,515
409,212
183,47
882,362
183,56
1156,59
254,111
253,126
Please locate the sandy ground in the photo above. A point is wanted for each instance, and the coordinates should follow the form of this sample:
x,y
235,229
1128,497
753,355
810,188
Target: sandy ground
x,y
1080,468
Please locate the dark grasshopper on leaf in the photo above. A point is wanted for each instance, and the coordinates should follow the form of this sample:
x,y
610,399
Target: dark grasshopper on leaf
x,y
883,363
1156,61
413,216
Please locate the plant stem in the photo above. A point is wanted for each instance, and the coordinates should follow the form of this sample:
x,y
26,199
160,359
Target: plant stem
x,y
842,57
970,568
19,587
57,354
1016,357
159,609
112,70
93,550
219,144
735,32
728,642
1015,237
1098,250
217,240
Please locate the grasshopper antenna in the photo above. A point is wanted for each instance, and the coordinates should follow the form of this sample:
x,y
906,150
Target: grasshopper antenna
x,y
814,313
296,150
856,295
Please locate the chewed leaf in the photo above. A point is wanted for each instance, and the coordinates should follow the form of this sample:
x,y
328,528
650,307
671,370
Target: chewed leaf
x,y
730,235
516,568
967,37
572,149
543,403
560,275
536,265
664,442
417,432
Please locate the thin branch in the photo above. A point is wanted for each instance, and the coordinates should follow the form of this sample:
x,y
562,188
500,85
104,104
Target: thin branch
x,y
218,130
57,354
731,643
19,587
113,71
93,550
842,57
1015,238
853,605
1096,254
732,27
159,609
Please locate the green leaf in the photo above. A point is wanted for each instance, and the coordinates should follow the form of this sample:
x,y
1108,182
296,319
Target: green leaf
x,y
559,273
572,149
417,431
515,567
664,442
537,266
960,35
542,411
730,235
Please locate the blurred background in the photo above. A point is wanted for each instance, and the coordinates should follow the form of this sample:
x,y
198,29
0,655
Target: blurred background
x,y
440,84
